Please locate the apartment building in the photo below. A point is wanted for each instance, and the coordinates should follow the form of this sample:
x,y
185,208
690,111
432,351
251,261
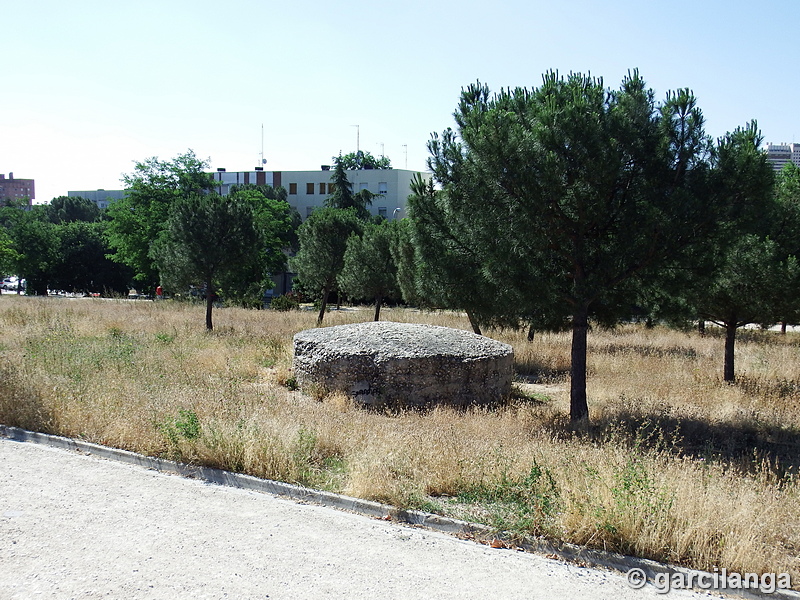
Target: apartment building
x,y
781,154
306,190
16,189
102,198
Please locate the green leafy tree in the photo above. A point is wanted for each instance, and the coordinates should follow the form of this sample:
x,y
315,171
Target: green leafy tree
x,y
82,263
276,222
343,196
207,238
8,255
66,209
369,270
356,161
744,265
37,244
573,190
323,242
137,220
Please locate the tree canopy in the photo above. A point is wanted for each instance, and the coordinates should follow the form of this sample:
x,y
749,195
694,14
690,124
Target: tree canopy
x,y
571,190
368,270
742,270
206,239
355,161
343,196
323,241
137,220
67,209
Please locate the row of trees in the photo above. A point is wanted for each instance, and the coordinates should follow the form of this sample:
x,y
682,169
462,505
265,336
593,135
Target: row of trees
x,y
553,208
570,204
573,202
61,245
171,229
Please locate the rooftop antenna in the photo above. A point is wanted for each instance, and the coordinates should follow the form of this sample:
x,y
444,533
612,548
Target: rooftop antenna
x,y
381,149
405,149
263,160
358,137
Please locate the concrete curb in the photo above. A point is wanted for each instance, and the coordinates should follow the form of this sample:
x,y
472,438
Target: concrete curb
x,y
564,551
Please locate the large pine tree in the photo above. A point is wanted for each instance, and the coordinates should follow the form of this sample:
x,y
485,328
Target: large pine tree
x,y
573,189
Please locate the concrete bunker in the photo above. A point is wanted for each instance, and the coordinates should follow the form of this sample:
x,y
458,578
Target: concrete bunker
x,y
404,364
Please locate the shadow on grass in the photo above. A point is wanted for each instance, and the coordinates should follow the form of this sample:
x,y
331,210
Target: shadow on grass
x,y
747,444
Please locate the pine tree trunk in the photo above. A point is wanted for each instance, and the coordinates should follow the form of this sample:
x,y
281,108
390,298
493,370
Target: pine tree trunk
x,y
472,321
730,343
531,333
783,327
324,305
378,301
209,308
578,407
701,327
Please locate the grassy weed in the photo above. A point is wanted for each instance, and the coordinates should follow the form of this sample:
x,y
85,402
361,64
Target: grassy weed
x,y
675,464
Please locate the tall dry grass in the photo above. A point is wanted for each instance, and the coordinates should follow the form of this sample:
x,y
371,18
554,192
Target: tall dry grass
x,y
675,464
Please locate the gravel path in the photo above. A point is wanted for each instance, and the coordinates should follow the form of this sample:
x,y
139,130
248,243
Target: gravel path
x,y
76,526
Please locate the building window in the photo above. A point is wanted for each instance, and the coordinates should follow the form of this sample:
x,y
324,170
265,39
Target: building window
x,y
383,187
322,188
309,188
364,185
382,211
293,188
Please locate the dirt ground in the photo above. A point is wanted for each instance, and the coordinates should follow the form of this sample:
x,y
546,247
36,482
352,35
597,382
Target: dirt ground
x,y
76,526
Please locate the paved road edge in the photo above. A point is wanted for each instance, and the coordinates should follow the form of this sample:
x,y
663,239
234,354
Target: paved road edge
x,y
568,552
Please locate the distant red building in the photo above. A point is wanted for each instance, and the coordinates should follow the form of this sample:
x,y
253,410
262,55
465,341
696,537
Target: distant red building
x,y
16,189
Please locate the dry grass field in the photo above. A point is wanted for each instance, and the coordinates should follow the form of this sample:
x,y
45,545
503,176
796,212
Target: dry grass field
x,y
675,465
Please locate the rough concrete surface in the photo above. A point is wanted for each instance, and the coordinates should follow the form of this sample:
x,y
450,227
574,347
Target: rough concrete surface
x,y
76,526
404,364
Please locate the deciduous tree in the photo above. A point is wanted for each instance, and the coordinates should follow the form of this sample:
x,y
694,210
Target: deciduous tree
x,y
137,220
354,161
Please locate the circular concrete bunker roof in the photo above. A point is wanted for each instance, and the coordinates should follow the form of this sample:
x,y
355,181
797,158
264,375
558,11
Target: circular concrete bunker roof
x,y
404,363
387,339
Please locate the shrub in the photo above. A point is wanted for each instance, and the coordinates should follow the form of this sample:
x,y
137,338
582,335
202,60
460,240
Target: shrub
x,y
284,303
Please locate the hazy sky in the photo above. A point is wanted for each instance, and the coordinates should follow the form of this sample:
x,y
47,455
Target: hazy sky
x,y
89,87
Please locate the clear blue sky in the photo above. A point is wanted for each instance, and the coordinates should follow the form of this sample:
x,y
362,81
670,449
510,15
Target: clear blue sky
x,y
89,87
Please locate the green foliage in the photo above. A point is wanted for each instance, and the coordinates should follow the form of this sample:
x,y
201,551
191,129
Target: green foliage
x,y
440,261
209,239
355,161
82,264
66,209
344,197
185,426
368,270
137,220
284,303
744,272
36,242
8,255
529,504
323,241
569,197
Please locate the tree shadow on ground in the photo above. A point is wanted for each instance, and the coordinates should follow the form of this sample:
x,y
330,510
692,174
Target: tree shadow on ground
x,y
748,445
